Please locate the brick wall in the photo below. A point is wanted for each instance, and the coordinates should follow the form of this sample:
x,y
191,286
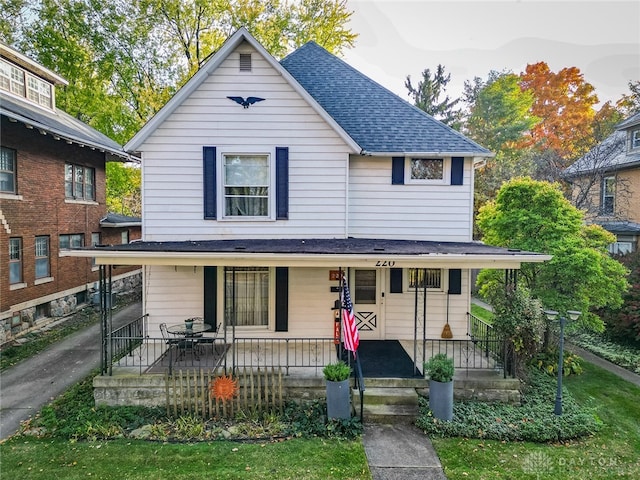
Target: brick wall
x,y
41,209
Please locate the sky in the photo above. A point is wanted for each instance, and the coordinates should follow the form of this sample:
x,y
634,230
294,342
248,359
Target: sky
x,y
470,38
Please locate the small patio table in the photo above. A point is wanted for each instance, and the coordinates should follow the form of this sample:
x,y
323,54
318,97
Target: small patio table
x,y
190,335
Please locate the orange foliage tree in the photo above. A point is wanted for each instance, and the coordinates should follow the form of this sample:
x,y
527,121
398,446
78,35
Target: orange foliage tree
x,y
564,101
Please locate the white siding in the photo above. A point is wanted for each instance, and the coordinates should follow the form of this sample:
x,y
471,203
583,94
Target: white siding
x,y
172,294
378,209
172,158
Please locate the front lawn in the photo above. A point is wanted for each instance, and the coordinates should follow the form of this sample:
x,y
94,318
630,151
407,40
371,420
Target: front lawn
x,y
610,453
29,458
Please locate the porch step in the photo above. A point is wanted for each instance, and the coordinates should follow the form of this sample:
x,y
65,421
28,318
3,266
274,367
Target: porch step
x,y
388,404
387,396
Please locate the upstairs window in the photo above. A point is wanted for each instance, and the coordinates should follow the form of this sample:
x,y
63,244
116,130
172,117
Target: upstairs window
x,y
79,182
42,257
12,78
20,82
15,260
608,194
427,169
246,185
7,170
635,139
38,91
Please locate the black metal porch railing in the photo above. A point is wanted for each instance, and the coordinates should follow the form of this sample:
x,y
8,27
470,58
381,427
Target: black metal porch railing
x,y
129,346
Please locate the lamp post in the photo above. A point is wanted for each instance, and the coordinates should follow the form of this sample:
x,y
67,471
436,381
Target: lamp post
x,y
552,315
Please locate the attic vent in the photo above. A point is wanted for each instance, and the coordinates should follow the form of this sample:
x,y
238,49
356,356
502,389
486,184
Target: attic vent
x,y
245,62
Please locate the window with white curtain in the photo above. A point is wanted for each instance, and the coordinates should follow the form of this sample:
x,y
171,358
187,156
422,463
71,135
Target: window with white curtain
x,y
246,185
247,296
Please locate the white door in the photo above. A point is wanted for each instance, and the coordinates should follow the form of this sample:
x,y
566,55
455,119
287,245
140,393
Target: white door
x,y
367,301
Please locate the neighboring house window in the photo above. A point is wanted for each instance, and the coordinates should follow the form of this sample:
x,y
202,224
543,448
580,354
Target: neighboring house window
x,y
79,182
11,78
425,278
635,139
75,240
247,296
7,170
95,240
124,237
39,91
15,260
14,80
42,257
246,181
608,195
623,245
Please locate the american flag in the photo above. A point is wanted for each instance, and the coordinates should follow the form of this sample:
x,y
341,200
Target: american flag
x,y
350,329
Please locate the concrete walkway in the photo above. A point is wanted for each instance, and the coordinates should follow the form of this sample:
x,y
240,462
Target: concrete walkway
x,y
31,384
400,452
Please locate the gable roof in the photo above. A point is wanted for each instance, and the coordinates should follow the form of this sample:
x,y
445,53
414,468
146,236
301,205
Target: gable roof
x,y
376,118
59,124
368,117
632,121
208,68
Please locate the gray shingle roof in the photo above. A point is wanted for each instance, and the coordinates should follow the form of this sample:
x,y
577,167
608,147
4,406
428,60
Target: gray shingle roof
x,y
609,155
57,123
377,119
351,246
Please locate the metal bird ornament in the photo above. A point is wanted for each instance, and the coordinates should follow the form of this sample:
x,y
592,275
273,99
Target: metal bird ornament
x,y
247,102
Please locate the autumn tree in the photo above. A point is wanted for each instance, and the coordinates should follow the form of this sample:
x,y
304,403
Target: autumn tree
x,y
535,216
430,96
564,102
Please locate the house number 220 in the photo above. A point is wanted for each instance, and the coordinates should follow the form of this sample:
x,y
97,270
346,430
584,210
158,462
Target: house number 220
x,y
385,263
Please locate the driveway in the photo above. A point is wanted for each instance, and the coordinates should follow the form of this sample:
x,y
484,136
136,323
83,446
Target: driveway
x,y
31,384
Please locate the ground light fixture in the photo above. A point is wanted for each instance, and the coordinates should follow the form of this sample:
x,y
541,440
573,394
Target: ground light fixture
x,y
552,315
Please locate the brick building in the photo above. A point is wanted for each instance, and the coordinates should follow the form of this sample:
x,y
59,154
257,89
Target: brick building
x,y
52,197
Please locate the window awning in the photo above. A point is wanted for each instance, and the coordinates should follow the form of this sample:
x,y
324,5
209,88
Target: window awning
x,y
352,252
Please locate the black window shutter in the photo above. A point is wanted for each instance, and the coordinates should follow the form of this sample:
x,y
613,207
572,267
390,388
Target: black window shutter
x,y
396,280
455,281
282,183
209,176
397,170
282,299
457,170
210,295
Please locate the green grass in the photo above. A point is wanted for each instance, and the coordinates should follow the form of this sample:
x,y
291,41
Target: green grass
x,y
481,313
611,453
132,460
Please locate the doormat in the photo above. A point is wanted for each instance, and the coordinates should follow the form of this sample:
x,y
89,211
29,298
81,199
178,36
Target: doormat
x,y
385,359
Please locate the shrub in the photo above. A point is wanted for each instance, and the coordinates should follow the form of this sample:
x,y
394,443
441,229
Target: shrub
x,y
548,363
624,322
439,368
336,372
533,421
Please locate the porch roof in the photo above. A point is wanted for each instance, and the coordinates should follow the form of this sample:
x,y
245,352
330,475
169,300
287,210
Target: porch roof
x,y
311,252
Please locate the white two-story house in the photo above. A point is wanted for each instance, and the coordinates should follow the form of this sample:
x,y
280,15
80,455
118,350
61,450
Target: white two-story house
x,y
265,181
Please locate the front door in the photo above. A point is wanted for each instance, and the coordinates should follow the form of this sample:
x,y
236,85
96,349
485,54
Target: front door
x,y
367,301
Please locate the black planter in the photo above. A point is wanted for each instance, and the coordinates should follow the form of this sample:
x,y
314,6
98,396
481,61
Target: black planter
x,y
441,399
339,399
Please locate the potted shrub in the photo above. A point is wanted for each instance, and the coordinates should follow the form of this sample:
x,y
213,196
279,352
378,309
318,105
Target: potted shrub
x,y
338,390
439,370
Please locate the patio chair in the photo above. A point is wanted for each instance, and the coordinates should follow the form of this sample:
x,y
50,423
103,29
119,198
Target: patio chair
x,y
211,340
172,341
